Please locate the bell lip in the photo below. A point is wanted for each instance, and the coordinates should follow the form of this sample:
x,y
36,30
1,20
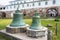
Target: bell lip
x,y
18,26
44,29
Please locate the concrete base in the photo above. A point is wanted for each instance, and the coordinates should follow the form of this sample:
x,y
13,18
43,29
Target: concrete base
x,y
37,33
21,36
14,30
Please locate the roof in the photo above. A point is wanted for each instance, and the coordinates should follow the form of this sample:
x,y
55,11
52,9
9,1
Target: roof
x,y
28,0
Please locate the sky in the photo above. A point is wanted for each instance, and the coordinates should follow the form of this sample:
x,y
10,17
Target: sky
x,y
4,2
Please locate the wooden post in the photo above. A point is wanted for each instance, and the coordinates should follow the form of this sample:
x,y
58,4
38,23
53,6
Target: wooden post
x,y
56,29
49,35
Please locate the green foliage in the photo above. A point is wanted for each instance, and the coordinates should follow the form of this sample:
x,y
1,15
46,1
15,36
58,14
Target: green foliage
x,y
56,20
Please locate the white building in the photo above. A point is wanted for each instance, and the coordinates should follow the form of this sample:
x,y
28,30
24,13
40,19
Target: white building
x,y
47,7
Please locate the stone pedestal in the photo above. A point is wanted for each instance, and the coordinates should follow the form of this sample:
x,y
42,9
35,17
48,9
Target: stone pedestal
x,y
14,30
20,36
36,33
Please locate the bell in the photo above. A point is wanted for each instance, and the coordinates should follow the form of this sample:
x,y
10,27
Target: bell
x,y
17,24
17,19
36,30
35,21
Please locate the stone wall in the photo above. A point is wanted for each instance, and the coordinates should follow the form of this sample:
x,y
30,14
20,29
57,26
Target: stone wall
x,y
0,15
9,14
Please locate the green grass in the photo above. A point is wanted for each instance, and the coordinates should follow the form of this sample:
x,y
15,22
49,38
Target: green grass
x,y
5,22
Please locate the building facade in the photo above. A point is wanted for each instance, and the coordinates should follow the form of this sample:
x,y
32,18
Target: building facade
x,y
44,7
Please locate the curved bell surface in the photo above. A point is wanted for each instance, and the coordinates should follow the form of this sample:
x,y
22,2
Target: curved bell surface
x,y
17,19
35,21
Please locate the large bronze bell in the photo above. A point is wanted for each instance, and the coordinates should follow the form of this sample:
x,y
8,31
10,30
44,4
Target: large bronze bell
x,y
35,21
17,19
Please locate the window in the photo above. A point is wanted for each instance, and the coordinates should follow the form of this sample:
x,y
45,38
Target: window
x,y
54,1
3,7
14,6
22,5
33,4
17,2
24,1
21,2
7,7
27,4
10,6
0,8
46,3
39,3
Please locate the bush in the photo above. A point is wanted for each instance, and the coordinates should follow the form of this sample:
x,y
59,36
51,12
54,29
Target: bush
x,y
56,20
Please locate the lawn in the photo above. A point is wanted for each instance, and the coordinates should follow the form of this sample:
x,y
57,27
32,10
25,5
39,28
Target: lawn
x,y
5,22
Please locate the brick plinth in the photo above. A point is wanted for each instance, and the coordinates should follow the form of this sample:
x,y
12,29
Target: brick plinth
x,y
14,30
36,33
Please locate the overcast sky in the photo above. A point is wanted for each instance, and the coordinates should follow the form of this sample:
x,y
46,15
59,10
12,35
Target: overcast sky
x,y
4,2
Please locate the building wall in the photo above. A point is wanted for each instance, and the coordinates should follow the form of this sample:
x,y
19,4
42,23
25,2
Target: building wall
x,y
31,4
8,14
30,12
